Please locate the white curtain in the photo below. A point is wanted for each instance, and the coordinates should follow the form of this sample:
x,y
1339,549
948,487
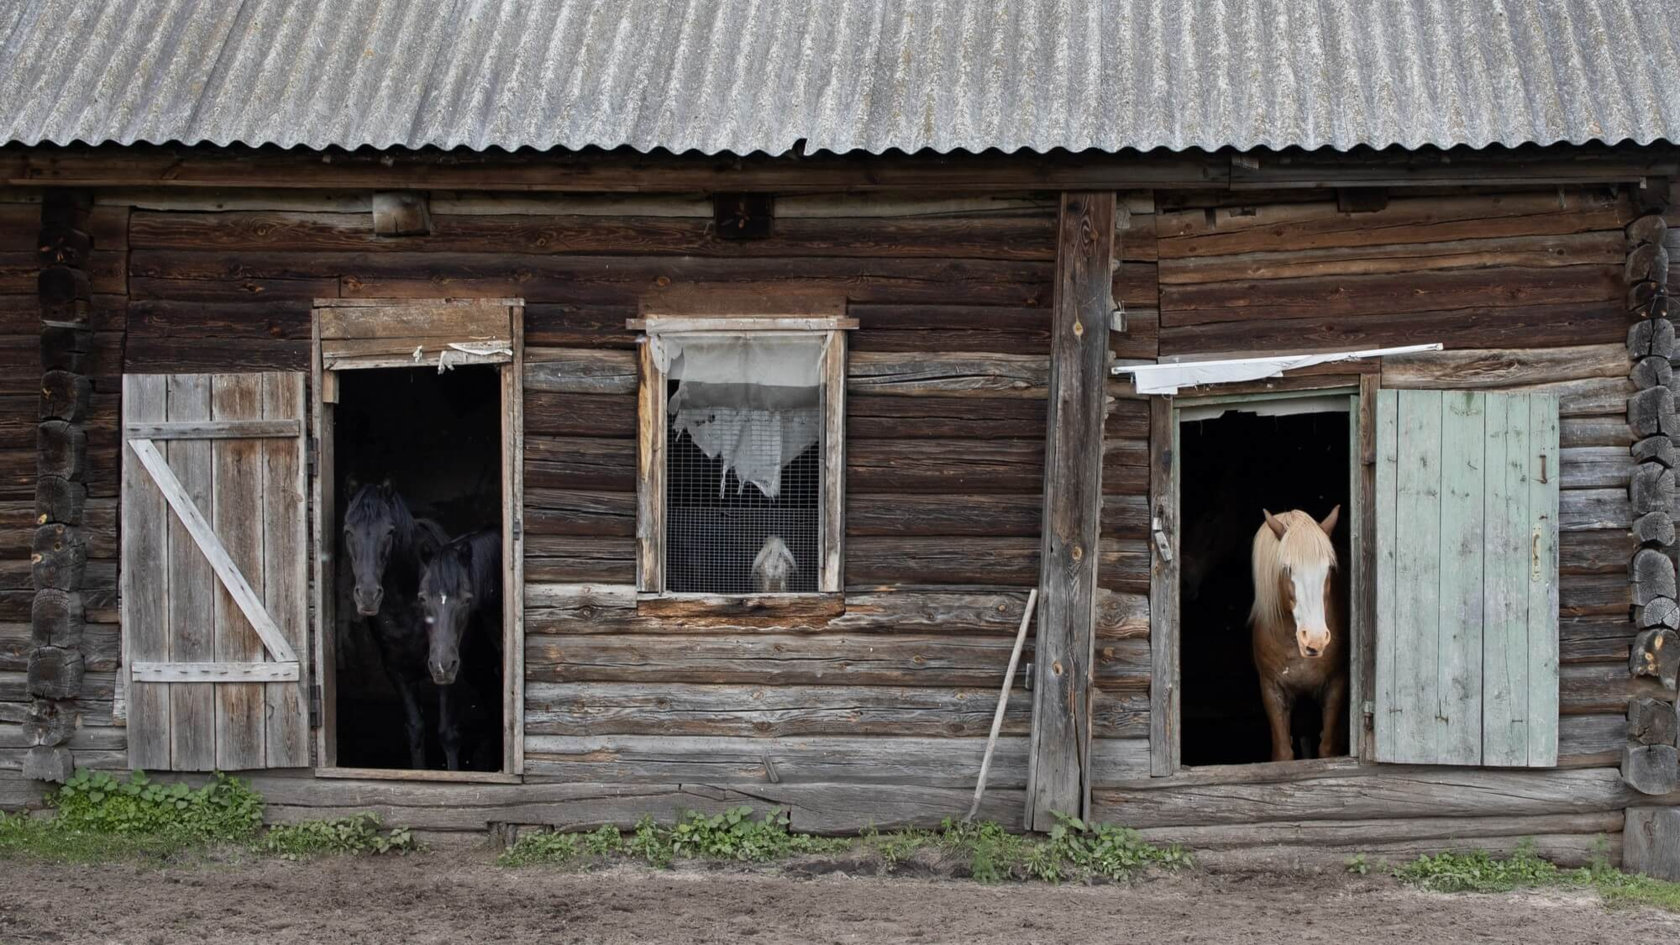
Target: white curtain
x,y
751,400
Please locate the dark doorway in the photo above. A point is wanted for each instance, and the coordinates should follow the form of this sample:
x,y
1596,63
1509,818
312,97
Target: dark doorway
x,y
437,438
1236,461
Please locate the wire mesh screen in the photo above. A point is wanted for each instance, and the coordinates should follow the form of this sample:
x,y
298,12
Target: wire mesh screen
x,y
717,527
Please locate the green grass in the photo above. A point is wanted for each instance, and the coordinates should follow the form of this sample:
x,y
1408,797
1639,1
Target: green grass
x,y
1074,850
1480,872
100,818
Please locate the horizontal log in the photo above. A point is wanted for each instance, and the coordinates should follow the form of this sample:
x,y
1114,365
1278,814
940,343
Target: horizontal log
x,y
795,711
1595,638
1585,510
1347,296
580,512
886,327
613,609
871,417
589,463
565,414
1125,516
947,374
207,276
553,558
580,371
1477,369
816,808
995,516
1016,235
945,466
1586,594
1307,837
150,354
1480,326
1595,431
1591,741
1594,688
1594,467
944,762
825,659
1604,551
1350,792
942,560
1424,260
1318,224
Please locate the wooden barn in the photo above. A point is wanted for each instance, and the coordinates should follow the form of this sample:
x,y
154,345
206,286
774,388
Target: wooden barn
x,y
789,347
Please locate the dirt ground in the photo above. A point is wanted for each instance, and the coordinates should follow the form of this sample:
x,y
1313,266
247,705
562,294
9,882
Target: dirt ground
x,y
460,897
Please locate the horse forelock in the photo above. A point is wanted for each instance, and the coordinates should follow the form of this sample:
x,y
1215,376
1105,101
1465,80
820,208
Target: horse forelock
x,y
1304,544
372,503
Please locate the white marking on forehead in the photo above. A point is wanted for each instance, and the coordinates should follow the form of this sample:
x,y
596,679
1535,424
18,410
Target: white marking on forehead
x,y
443,598
1309,580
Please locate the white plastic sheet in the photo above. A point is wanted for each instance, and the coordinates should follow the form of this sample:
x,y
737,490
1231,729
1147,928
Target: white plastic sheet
x,y
751,400
1170,378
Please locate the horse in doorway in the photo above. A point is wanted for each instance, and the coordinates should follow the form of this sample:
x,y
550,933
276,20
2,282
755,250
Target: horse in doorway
x,y
461,604
388,547
1300,644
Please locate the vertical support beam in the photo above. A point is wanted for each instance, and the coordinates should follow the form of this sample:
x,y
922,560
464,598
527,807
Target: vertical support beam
x,y
1164,695
1058,759
1362,740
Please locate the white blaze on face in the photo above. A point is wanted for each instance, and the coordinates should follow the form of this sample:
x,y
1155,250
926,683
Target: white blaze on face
x,y
1312,628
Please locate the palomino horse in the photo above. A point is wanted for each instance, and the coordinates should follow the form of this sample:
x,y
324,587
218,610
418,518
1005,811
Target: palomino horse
x,y
1299,641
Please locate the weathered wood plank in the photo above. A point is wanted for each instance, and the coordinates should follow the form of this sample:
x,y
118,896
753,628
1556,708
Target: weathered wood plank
x,y
996,516
795,711
946,374
285,559
207,430
871,417
1594,248
590,463
765,659
945,467
1471,368
456,319
1409,634
145,600
1460,635
1351,793
942,762
1504,554
237,492
200,673
1543,592
192,582
1318,224
580,371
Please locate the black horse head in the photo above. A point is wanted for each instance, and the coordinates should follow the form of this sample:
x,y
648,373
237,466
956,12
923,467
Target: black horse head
x,y
462,580
378,528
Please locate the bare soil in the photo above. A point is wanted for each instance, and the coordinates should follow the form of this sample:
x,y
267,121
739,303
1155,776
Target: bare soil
x,y
461,897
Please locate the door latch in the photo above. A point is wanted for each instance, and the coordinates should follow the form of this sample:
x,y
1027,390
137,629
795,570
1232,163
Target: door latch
x,y
1162,545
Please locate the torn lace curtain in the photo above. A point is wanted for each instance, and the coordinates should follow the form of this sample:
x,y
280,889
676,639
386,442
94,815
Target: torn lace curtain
x,y
752,402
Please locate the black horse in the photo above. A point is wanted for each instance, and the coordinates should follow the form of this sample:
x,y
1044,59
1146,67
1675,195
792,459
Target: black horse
x,y
461,602
388,548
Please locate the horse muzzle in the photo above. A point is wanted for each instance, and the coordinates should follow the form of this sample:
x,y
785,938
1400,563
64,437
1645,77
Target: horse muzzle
x,y
368,604
444,673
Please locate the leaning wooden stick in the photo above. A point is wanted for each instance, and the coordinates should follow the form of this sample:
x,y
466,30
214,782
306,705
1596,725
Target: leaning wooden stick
x,y
1003,704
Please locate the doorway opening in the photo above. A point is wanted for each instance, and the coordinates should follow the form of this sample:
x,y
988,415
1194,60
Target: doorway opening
x,y
435,439
1236,459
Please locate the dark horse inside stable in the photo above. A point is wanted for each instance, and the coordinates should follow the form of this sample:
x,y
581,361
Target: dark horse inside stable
x,y
389,550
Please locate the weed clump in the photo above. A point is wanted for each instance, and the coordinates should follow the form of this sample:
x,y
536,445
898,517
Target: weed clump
x,y
733,834
359,834
223,810
1477,871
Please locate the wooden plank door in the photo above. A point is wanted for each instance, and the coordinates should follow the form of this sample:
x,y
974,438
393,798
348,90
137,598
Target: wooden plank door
x,y
1466,582
213,571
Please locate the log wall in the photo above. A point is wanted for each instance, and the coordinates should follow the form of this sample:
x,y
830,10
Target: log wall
x,y
880,715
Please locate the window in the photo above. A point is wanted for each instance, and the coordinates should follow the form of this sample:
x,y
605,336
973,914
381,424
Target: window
x,y
741,456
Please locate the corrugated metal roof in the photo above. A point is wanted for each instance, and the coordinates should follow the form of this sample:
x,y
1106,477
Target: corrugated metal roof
x,y
843,75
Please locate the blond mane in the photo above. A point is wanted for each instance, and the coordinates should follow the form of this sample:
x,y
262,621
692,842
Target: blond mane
x,y
1303,543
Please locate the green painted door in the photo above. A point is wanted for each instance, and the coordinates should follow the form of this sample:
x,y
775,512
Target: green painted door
x,y
1467,607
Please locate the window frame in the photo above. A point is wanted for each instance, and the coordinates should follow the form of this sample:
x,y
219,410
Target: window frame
x,y
652,430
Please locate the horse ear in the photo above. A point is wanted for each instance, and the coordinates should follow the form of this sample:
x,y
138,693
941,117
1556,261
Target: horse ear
x,y
1329,523
386,484
1277,527
351,484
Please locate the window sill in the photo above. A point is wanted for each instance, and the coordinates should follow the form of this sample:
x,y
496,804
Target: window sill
x,y
410,774
825,604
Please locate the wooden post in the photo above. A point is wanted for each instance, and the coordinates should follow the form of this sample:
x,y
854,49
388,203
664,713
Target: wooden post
x,y
1056,778
1164,698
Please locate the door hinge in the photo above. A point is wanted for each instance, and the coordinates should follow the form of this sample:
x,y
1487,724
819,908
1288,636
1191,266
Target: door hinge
x,y
312,449
518,528
315,706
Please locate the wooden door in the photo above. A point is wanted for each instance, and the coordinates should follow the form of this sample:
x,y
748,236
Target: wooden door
x,y
1466,578
214,577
